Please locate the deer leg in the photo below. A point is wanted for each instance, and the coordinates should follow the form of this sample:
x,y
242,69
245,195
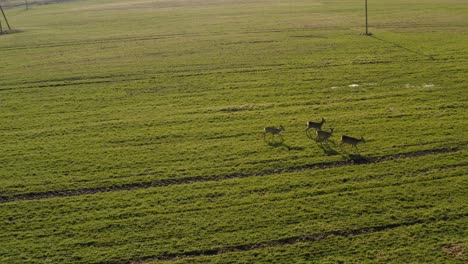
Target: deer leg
x,y
357,150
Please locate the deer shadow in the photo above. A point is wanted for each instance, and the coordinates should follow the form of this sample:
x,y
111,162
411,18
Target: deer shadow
x,y
277,144
281,144
327,150
356,158
273,139
324,146
308,134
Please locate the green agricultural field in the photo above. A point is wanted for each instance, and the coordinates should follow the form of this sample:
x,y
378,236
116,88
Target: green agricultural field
x,y
131,131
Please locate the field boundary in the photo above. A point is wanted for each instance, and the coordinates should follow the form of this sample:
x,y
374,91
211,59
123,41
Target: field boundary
x,y
285,241
358,160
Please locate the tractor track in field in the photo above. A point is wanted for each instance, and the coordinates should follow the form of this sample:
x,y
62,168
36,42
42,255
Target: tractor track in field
x,y
92,42
318,193
60,85
285,241
35,3
132,39
359,160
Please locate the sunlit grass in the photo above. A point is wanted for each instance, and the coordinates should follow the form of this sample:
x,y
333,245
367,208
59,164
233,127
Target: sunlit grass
x,y
102,94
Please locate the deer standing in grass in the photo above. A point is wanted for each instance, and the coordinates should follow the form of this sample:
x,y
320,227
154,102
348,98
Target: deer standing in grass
x,y
323,136
273,131
351,141
315,125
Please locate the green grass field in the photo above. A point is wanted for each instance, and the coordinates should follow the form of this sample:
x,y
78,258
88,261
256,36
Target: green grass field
x,y
130,132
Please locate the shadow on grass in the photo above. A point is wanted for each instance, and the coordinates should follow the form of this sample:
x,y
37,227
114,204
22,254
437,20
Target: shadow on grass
x,y
402,47
277,144
281,144
327,150
324,146
309,135
356,158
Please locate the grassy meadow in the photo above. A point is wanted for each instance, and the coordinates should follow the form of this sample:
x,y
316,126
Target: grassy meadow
x,y
131,132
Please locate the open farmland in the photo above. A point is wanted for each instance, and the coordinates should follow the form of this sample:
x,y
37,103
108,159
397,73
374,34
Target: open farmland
x,y
130,132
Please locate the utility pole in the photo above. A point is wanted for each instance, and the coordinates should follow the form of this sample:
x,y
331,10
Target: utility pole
x,y
6,20
367,27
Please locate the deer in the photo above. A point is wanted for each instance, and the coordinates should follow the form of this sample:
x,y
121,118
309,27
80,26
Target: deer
x,y
351,141
323,136
273,131
315,125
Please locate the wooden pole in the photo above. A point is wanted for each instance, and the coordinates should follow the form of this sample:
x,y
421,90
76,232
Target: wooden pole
x,y
367,28
6,20
1,29
26,2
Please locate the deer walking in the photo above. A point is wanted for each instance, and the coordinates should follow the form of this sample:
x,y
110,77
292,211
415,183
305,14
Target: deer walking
x,y
351,141
323,136
315,125
273,131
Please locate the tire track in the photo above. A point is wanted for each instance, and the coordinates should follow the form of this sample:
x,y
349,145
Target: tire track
x,y
319,193
92,42
8,5
286,241
57,85
131,39
155,37
355,160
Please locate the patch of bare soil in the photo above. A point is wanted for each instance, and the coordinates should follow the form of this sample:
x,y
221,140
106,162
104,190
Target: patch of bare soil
x,y
456,250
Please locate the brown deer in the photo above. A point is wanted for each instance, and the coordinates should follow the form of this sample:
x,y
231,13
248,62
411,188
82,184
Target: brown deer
x,y
273,131
315,125
323,136
351,141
